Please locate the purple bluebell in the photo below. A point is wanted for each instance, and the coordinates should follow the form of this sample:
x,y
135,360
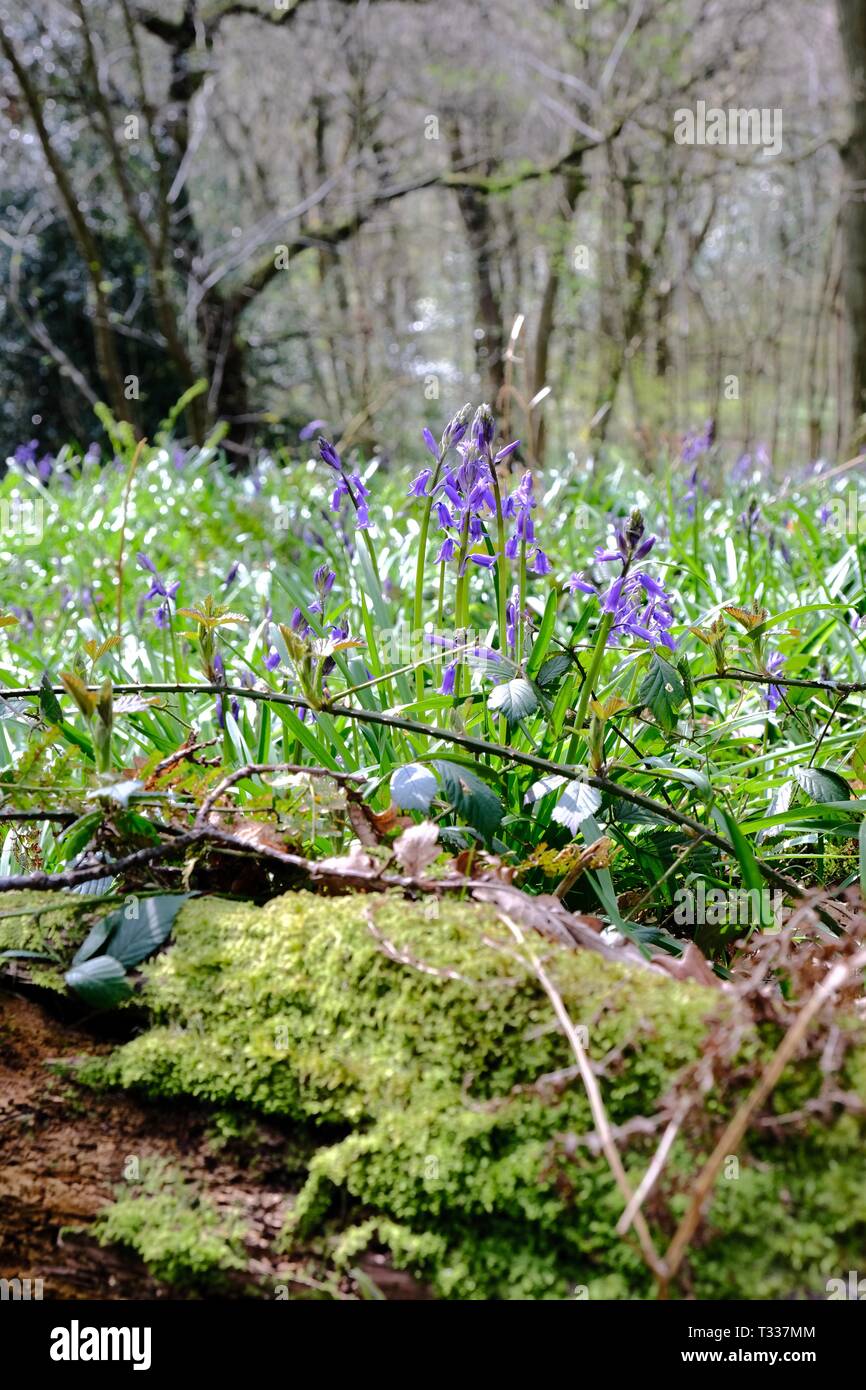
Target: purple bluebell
x,y
418,487
448,678
25,454
540,563
456,428
775,662
314,427
166,592
698,442
323,579
638,604
329,455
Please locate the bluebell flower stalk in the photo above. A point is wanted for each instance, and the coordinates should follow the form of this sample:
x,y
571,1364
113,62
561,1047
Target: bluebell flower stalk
x,y
620,604
425,486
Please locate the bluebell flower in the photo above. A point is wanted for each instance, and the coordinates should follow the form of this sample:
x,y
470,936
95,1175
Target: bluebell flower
x,y
698,442
313,427
418,487
448,678
540,562
329,455
26,453
272,660
456,428
774,663
447,551
430,441
166,592
640,606
323,579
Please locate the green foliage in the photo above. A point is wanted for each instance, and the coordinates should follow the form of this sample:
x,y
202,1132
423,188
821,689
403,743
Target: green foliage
x,y
181,1236
452,1155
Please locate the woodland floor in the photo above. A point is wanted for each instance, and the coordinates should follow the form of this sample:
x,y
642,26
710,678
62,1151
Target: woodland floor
x,y
62,1157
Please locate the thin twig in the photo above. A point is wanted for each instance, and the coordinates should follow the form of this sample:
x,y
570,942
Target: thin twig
x,y
596,1103
734,1131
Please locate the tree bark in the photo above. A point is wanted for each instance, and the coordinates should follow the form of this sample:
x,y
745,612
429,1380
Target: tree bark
x,y
852,28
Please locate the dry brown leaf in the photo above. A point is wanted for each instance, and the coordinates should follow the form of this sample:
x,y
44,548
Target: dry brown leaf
x,y
355,861
259,835
417,847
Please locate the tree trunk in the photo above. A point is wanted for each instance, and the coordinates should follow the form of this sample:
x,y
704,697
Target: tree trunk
x,y
852,27
480,227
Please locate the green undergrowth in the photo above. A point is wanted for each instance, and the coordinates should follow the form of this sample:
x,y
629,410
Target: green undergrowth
x,y
47,924
181,1236
436,1141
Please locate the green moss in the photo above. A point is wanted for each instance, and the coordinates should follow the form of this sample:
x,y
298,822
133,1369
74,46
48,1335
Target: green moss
x,y
179,1234
46,922
448,1151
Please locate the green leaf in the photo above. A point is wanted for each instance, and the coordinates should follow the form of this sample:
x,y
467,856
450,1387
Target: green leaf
x,y
692,776
138,937
862,841
25,955
545,632
96,938
752,876
78,836
822,783
662,691
471,798
100,982
553,669
515,699
413,787
858,757
48,701
577,803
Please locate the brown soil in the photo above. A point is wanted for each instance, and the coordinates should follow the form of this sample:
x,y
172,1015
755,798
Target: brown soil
x,y
62,1156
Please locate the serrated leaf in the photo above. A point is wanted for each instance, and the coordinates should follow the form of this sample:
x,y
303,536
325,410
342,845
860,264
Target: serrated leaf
x,y
822,783
515,699
471,798
662,691
578,801
553,669
413,787
100,982
136,938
